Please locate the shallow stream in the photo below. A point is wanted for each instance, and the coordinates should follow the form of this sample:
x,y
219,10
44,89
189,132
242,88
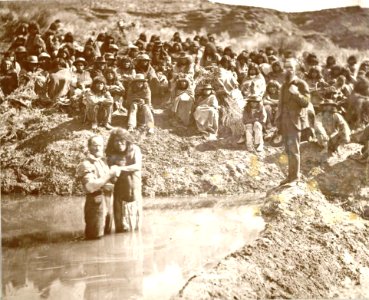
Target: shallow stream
x,y
45,257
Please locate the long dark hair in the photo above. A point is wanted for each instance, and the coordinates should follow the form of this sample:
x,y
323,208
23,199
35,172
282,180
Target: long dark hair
x,y
96,80
118,134
248,106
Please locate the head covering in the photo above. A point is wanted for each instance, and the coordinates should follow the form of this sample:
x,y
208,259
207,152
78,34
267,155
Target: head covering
x,y
100,60
140,77
21,49
44,55
80,60
113,47
207,87
20,37
32,59
328,102
131,46
183,56
183,79
109,56
254,98
143,56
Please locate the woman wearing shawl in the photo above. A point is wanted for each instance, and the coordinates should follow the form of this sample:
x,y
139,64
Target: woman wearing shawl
x,y
122,152
183,100
206,112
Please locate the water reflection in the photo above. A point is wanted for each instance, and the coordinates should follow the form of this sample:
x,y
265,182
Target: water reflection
x,y
151,264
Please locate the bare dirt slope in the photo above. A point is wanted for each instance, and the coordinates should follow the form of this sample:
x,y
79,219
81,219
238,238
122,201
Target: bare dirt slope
x,y
310,249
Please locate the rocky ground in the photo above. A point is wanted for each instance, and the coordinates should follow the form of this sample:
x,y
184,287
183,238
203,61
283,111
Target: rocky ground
x,y
41,149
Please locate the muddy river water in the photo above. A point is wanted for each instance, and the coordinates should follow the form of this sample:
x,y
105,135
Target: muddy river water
x,y
45,257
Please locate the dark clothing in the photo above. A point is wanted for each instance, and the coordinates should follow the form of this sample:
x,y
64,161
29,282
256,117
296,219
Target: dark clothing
x,y
252,115
98,205
97,221
8,82
291,120
127,192
139,105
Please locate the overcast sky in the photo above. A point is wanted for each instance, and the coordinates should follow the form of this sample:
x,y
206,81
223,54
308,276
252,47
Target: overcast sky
x,y
297,6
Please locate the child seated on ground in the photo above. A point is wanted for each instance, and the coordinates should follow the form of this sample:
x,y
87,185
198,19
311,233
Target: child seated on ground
x,y
254,118
270,101
99,104
139,104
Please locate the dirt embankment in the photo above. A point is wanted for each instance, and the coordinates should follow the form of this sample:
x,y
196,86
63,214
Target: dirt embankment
x,y
41,149
309,249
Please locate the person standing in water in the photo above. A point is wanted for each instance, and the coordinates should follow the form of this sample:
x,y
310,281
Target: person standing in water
x,y
121,151
97,178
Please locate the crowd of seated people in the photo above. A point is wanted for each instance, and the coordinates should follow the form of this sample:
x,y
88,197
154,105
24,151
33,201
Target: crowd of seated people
x,y
205,84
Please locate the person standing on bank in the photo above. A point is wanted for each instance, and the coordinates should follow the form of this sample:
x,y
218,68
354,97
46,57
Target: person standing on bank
x,y
121,151
292,119
97,181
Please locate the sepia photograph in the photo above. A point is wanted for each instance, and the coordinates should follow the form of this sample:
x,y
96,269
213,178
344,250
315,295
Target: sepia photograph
x,y
185,149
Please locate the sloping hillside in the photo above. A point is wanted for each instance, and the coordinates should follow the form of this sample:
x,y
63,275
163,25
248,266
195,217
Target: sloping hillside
x,y
343,27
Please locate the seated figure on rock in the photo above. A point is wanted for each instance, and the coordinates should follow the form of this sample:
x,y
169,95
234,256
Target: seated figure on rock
x,y
116,89
254,118
206,112
99,104
331,128
183,100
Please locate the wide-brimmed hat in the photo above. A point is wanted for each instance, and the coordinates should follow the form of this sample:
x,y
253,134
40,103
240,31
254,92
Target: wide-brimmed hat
x,y
328,102
184,56
44,55
207,87
131,46
32,59
143,56
140,77
113,47
125,58
254,98
158,44
182,79
21,49
100,60
20,37
80,60
109,56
